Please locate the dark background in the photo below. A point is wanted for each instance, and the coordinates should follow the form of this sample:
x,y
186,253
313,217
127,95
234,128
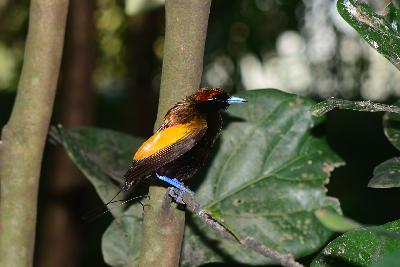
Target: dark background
x,y
110,78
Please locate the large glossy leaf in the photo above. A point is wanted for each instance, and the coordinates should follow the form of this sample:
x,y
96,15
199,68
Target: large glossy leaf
x,y
266,181
382,32
359,247
102,155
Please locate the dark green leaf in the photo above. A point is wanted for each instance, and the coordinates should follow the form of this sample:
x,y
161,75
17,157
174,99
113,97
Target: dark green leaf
x,y
266,181
121,241
336,222
388,260
102,155
325,106
382,32
391,124
386,174
360,247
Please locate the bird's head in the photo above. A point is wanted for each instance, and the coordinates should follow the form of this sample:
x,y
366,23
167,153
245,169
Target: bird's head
x,y
215,99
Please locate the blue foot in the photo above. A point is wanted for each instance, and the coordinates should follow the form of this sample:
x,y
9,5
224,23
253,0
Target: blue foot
x,y
177,184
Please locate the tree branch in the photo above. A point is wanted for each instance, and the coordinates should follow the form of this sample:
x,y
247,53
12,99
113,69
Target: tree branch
x,y
246,242
24,135
185,34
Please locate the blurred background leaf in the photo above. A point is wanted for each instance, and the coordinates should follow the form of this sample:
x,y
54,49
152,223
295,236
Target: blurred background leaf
x,y
335,221
135,7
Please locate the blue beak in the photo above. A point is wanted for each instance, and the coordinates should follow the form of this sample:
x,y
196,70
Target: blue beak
x,y
235,100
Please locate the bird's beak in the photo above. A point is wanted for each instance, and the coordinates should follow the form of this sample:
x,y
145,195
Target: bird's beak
x,y
235,100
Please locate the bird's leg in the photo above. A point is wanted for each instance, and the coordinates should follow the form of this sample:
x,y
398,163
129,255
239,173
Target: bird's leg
x,y
177,184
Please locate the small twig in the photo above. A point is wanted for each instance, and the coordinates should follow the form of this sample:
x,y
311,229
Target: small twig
x,y
332,103
247,242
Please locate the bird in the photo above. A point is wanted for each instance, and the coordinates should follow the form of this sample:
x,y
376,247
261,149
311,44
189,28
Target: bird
x,y
179,147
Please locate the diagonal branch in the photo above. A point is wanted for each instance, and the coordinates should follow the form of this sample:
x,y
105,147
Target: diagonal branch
x,y
247,242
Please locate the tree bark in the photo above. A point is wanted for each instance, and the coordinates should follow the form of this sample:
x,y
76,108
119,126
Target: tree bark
x,y
23,137
60,224
185,34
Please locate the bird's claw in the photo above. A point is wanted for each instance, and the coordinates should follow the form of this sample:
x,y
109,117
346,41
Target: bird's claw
x,y
177,190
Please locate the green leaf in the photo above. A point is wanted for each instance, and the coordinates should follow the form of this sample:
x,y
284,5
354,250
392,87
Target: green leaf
x,y
382,32
266,181
336,222
388,260
391,125
102,155
135,7
386,174
360,247
325,106
121,241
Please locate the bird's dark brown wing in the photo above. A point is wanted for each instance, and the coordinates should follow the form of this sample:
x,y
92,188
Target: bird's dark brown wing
x,y
162,148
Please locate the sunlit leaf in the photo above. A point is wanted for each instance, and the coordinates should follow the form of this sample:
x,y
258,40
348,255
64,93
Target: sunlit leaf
x,y
360,247
382,32
336,222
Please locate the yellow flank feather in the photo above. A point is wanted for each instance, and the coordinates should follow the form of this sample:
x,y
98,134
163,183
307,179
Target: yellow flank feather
x,y
167,137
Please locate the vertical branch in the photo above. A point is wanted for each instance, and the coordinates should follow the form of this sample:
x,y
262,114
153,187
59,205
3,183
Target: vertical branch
x,y
185,34
74,107
24,136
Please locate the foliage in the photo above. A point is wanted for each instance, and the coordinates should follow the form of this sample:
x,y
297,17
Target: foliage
x,y
360,247
387,174
265,180
382,32
336,222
